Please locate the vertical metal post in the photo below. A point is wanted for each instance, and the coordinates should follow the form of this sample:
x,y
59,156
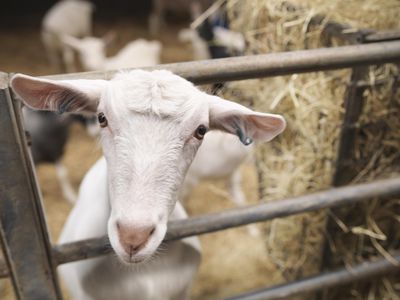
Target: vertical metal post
x,y
23,228
353,103
344,172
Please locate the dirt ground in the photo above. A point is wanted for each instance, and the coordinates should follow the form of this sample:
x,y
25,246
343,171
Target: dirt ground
x,y
233,261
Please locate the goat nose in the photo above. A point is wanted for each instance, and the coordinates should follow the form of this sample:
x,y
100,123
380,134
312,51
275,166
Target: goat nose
x,y
133,238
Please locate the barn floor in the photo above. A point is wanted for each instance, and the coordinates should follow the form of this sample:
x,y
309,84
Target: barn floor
x,y
233,261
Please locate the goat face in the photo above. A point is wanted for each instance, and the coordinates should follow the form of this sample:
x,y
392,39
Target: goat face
x,y
152,125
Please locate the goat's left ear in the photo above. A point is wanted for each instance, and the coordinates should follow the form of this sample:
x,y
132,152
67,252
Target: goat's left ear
x,y
247,124
60,96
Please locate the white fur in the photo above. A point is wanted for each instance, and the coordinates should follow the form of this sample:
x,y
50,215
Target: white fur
x,y
66,186
220,157
73,18
148,145
199,46
233,41
136,54
167,276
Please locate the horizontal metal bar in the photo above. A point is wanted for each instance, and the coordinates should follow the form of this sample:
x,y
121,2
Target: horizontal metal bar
x,y
241,216
326,280
382,36
266,65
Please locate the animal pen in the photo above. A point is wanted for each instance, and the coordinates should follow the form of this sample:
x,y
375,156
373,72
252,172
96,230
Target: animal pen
x,y
30,259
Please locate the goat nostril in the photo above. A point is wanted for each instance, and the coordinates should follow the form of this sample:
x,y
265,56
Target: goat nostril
x,y
152,231
118,226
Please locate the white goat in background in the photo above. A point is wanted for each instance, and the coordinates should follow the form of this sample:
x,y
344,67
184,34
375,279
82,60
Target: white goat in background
x,y
152,125
136,54
219,156
68,17
232,41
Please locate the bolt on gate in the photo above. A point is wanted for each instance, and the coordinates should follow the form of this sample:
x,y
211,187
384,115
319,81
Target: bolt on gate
x,y
30,259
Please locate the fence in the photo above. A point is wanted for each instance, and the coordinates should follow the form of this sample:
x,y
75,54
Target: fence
x,y
30,259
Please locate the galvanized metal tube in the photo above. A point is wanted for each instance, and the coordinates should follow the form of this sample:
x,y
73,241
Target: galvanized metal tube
x,y
242,216
382,36
325,280
274,64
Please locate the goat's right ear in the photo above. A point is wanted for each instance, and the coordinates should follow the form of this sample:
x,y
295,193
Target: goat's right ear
x,y
60,96
247,124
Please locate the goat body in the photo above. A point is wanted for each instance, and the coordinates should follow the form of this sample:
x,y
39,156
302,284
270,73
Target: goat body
x,y
72,18
219,156
92,53
136,54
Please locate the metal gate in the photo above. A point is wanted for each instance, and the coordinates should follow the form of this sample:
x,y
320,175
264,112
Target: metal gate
x,y
30,259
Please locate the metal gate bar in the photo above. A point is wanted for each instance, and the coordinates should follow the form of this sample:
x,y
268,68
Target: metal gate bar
x,y
267,65
23,229
325,280
242,216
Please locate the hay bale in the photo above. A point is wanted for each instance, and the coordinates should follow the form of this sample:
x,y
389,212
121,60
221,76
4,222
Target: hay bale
x,y
303,159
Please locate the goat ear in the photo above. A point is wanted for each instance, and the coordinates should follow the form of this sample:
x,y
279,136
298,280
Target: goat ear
x,y
247,124
60,96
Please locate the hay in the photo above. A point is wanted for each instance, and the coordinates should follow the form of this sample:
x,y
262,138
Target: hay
x,y
303,159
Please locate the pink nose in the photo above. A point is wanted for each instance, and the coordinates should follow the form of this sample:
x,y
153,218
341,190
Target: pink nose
x,y
132,238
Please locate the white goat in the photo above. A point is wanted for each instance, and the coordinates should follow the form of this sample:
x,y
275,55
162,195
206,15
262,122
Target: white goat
x,y
167,276
220,157
231,41
69,17
152,125
136,54
199,46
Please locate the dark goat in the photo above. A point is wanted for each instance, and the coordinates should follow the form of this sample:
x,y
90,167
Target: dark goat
x,y
216,48
48,133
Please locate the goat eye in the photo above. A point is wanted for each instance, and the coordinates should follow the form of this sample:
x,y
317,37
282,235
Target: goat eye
x,y
102,120
200,132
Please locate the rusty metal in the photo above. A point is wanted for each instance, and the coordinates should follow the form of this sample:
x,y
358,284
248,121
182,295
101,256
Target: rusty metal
x,y
242,216
325,280
23,229
267,65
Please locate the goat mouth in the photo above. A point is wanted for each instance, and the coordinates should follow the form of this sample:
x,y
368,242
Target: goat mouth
x,y
136,260
133,260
